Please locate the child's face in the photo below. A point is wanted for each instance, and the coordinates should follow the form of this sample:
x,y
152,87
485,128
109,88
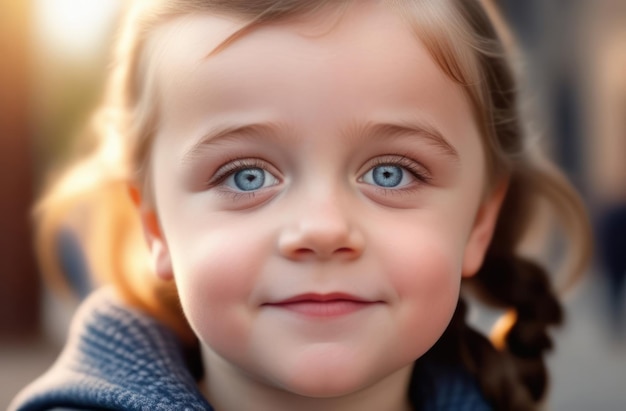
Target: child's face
x,y
319,190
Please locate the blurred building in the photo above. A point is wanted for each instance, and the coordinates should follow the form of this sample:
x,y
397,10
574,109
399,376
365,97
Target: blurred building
x,y
577,82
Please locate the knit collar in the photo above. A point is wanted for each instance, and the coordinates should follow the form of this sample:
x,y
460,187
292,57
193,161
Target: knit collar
x,y
116,358
119,358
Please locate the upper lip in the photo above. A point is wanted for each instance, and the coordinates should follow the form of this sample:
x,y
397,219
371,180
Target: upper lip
x,y
317,297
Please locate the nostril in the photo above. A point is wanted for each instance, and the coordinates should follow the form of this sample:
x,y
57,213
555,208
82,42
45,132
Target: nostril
x,y
303,251
319,253
323,241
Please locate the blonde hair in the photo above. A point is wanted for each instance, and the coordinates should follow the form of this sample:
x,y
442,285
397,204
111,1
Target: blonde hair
x,y
461,38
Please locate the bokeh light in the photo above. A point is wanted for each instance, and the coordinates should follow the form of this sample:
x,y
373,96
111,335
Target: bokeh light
x,y
73,27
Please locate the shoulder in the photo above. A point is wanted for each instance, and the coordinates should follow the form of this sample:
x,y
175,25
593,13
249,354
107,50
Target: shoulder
x,y
446,387
116,358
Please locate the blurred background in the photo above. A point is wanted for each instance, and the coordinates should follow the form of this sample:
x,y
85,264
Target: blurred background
x,y
53,60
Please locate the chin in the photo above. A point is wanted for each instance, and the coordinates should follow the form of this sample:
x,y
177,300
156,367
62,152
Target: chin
x,y
328,378
326,387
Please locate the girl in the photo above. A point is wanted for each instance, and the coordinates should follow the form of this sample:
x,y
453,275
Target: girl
x,y
314,180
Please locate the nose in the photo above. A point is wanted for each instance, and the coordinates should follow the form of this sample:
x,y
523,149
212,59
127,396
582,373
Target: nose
x,y
321,231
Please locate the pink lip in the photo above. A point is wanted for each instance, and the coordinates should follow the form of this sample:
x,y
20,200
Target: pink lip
x,y
323,305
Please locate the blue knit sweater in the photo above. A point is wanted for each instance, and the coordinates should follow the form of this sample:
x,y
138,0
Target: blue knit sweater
x,y
118,358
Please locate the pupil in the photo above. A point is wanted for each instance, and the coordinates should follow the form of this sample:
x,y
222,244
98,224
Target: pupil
x,y
387,176
249,179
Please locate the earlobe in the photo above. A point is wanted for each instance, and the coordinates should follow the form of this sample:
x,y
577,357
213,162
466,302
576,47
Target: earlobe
x,y
159,252
484,227
161,261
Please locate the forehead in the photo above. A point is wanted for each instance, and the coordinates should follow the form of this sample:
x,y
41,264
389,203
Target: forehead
x,y
358,63
359,38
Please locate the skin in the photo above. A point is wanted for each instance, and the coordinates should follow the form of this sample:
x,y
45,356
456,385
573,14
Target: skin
x,y
321,100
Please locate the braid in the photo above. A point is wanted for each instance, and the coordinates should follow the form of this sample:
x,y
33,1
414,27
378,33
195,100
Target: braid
x,y
512,373
495,371
523,286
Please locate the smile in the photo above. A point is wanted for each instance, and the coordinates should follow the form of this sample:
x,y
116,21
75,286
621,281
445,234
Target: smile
x,y
323,305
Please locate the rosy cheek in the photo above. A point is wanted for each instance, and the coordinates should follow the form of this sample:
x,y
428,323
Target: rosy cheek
x,y
215,281
424,271
426,277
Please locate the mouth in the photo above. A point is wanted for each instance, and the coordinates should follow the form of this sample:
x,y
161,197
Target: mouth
x,y
323,305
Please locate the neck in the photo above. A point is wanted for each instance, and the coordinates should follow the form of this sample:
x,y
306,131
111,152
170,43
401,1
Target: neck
x,y
229,389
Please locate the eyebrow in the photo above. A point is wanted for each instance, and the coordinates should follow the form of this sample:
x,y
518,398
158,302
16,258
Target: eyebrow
x,y
225,132
274,131
422,129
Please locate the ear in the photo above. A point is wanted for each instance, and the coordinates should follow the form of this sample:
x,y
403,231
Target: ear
x,y
159,252
482,231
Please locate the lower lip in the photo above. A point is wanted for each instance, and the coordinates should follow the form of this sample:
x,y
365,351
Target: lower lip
x,y
335,308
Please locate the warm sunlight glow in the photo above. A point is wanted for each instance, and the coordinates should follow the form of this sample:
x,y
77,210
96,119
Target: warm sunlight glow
x,y
74,27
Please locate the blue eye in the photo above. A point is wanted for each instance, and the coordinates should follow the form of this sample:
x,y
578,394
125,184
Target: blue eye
x,y
250,179
388,176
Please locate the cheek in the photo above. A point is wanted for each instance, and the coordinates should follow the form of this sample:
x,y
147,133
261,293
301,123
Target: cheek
x,y
423,257
216,274
424,269
428,282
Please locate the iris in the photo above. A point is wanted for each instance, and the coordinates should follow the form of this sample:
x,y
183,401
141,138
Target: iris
x,y
250,179
387,175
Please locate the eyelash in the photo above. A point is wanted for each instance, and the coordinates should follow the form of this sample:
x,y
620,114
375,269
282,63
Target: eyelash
x,y
233,166
417,171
